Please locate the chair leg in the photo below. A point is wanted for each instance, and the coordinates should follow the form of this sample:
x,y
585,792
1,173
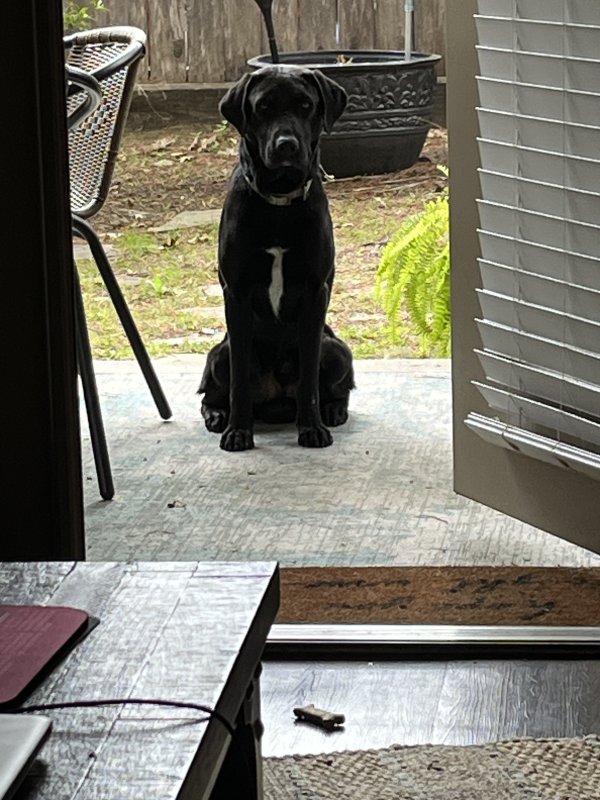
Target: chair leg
x,y
90,395
86,231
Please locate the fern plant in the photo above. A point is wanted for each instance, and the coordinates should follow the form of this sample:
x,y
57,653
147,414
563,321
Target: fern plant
x,y
413,279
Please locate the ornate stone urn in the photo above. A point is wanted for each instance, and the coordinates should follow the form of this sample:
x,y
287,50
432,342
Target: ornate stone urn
x,y
390,102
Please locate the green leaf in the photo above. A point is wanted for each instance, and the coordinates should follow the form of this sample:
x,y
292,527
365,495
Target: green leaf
x,y
413,278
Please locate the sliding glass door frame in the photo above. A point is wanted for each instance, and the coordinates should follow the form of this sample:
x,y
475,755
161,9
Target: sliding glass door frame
x,y
42,506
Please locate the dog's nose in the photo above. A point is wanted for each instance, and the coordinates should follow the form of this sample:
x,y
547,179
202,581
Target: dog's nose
x,y
286,146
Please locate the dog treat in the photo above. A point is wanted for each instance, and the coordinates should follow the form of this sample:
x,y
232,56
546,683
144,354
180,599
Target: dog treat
x,y
316,716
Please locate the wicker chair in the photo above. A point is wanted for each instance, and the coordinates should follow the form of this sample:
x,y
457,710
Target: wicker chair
x,y
101,65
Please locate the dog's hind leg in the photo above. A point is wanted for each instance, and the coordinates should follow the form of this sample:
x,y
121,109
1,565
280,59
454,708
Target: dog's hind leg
x,y
215,388
336,380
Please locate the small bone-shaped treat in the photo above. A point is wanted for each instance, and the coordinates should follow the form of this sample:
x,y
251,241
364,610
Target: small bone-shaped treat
x,y
325,719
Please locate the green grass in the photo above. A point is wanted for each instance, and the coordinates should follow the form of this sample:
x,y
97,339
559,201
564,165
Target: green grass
x,y
164,278
171,286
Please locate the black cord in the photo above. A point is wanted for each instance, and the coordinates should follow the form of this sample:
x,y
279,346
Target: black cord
x,y
124,701
143,702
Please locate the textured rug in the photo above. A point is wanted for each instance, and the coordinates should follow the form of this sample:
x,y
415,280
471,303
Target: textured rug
x,y
527,769
441,595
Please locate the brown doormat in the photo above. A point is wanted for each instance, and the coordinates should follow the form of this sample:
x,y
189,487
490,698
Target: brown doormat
x,y
441,595
526,769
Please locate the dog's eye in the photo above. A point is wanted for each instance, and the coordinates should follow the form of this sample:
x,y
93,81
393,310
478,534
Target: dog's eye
x,y
306,105
262,107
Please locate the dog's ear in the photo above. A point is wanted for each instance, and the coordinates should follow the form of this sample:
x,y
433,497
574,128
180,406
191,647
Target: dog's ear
x,y
333,97
233,106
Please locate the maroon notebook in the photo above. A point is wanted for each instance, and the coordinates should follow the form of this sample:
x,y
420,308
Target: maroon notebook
x,y
32,638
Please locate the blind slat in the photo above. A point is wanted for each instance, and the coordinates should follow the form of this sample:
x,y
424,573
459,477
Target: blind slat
x,y
539,352
542,384
539,35
564,105
551,261
532,132
536,413
530,288
572,172
585,12
539,69
535,445
548,198
540,321
578,237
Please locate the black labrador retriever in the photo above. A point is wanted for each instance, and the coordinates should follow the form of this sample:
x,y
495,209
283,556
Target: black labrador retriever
x,y
279,361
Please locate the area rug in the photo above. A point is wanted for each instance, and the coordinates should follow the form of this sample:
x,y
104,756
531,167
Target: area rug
x,y
526,769
441,595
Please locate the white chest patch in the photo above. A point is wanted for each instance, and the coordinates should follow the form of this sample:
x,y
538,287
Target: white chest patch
x,y
276,285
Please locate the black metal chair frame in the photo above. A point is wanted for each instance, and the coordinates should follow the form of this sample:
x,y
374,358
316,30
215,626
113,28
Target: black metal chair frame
x,y
87,106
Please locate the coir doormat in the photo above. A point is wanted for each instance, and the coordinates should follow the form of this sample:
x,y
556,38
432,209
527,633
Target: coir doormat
x,y
441,595
526,769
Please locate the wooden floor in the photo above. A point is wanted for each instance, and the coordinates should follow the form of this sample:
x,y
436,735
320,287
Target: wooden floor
x,y
438,703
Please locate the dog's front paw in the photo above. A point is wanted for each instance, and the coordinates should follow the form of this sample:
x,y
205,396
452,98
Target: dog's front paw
x,y
236,439
215,419
317,436
335,413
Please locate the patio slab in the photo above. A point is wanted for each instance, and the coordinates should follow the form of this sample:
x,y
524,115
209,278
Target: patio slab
x,y
382,494
190,219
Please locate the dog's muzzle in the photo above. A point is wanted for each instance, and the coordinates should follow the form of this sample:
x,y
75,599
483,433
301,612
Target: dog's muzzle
x,y
286,147
285,150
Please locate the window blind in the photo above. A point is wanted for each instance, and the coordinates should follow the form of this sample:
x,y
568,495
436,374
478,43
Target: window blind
x,y
539,211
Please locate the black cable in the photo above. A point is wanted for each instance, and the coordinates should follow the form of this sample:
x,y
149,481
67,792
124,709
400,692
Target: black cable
x,y
131,701
141,702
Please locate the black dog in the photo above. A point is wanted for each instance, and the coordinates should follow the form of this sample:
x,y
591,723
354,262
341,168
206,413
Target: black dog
x,y
278,361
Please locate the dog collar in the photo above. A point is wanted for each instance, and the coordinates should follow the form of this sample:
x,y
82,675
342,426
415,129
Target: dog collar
x,y
281,199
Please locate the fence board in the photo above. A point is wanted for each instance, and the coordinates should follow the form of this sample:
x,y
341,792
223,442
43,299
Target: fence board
x,y
243,23
357,24
316,24
285,20
206,41
127,12
430,24
389,25
132,12
169,41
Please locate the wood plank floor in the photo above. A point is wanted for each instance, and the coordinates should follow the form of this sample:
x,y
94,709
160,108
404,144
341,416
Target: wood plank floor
x,y
435,702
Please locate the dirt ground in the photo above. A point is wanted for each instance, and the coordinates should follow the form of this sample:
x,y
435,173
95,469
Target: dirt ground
x,y
160,174
170,279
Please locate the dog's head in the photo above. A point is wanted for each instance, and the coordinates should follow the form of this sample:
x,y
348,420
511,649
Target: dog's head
x,y
282,111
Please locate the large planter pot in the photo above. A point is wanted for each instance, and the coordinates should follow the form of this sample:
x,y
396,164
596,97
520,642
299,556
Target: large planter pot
x,y
390,102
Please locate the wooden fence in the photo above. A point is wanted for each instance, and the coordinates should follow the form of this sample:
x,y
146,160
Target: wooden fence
x,y
208,41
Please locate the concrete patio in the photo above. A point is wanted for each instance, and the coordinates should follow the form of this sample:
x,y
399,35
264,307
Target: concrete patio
x,y
381,495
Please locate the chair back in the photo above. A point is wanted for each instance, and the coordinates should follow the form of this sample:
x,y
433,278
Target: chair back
x,y
111,56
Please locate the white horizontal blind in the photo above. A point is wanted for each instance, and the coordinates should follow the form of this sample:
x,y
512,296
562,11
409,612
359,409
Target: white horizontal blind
x,y
539,118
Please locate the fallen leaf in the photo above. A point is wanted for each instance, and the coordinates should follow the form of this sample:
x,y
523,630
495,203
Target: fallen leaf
x,y
194,144
170,241
162,144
